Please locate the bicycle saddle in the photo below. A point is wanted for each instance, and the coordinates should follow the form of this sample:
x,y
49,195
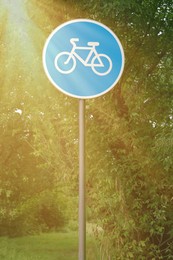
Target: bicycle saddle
x,y
93,43
72,40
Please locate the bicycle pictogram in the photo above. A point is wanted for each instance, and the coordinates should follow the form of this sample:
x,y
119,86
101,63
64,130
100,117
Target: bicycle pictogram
x,y
65,62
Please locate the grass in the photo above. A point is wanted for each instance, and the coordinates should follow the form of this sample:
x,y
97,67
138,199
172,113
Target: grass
x,y
51,246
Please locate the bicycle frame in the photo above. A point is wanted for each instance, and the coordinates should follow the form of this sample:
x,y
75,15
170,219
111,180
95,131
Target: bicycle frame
x,y
85,62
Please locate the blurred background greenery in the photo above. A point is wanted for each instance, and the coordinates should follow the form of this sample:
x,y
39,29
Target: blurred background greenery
x,y
129,140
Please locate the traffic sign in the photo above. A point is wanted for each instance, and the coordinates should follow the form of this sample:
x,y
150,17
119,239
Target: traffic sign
x,y
83,58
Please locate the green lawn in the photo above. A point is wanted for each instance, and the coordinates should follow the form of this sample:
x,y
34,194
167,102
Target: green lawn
x,y
52,246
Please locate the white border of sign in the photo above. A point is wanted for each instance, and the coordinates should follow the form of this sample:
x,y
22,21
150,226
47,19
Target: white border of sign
x,y
59,88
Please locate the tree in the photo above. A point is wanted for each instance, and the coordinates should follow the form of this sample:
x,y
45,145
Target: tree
x,y
132,131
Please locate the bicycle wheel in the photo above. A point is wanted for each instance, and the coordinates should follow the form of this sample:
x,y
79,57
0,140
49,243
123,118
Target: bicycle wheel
x,y
64,64
98,68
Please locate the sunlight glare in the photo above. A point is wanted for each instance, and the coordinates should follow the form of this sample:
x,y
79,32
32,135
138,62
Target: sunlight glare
x,y
20,53
22,39
15,10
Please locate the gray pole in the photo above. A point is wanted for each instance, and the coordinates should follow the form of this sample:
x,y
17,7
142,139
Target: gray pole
x,y
82,216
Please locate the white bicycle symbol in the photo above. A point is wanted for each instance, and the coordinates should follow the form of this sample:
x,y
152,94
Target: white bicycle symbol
x,y
65,62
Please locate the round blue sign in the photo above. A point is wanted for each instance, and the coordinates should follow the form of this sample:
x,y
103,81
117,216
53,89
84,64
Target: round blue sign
x,y
83,58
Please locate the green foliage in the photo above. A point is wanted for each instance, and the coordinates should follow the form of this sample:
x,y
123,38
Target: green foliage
x,y
42,213
128,142
129,135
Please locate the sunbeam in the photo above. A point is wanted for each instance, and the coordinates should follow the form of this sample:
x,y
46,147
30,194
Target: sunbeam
x,y
21,57
15,9
24,27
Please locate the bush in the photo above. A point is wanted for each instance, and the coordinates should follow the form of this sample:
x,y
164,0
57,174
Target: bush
x,y
43,213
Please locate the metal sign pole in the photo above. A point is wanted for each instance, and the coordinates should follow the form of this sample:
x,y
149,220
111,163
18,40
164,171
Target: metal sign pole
x,y
82,213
